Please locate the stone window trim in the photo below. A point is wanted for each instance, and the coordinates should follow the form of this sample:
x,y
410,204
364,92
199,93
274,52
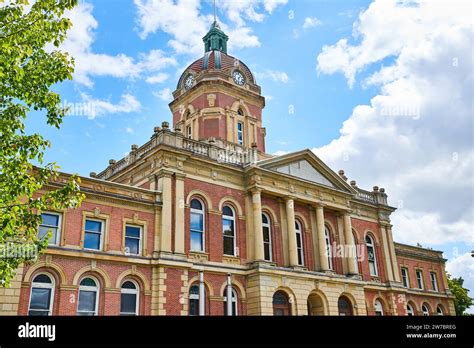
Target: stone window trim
x,y
96,215
135,222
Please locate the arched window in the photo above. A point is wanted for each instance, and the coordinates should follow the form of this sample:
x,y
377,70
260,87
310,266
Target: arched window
x,y
228,230
327,236
197,225
299,242
281,304
194,300
88,297
267,238
439,310
129,298
410,310
371,255
378,308
240,133
234,302
240,112
42,295
425,310
344,306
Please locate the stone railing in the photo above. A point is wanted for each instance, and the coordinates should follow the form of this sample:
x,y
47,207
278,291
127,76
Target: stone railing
x,y
377,196
214,149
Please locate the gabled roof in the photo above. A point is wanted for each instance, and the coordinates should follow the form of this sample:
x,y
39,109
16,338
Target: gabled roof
x,y
307,166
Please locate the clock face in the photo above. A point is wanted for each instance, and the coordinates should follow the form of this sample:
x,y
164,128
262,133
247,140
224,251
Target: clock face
x,y
189,82
238,77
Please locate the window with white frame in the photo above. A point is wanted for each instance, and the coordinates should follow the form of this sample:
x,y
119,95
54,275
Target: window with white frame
x,y
234,302
434,281
88,297
267,238
197,225
228,230
299,243
93,234
129,300
378,308
439,310
410,310
189,132
405,277
240,133
425,310
419,279
371,255
50,222
327,237
42,295
133,237
194,300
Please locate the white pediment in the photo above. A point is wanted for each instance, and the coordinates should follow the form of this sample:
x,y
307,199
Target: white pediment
x,y
304,170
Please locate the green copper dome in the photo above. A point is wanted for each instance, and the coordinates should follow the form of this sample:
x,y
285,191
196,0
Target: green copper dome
x,y
215,39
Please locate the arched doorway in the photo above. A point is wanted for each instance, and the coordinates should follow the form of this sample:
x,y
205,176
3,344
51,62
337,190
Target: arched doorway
x,y
345,306
281,303
315,304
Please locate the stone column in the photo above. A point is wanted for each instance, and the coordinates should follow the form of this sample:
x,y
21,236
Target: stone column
x,y
323,257
257,225
393,255
164,185
386,253
179,215
202,294
229,295
349,239
292,246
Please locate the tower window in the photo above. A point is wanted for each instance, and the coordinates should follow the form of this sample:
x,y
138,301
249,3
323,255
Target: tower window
x,y
189,132
240,133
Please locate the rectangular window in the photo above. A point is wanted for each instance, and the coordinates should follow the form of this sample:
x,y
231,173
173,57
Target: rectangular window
x,y
133,236
434,281
50,222
419,279
240,133
40,301
189,132
405,279
93,234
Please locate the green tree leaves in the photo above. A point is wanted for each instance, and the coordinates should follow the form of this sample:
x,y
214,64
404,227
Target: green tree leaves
x,y
30,64
462,300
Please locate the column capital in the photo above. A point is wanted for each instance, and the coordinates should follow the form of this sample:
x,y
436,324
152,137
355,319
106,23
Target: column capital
x,y
255,190
319,204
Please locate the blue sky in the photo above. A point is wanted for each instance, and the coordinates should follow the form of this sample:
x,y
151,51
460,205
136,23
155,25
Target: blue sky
x,y
371,84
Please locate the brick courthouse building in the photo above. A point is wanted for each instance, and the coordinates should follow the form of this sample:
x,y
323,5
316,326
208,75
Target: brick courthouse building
x,y
201,221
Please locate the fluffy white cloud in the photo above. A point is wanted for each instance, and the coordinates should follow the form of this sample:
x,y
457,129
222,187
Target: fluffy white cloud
x,y
311,22
415,136
88,63
164,94
277,76
98,107
159,78
183,21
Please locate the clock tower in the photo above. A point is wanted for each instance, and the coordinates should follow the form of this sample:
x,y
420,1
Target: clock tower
x,y
217,98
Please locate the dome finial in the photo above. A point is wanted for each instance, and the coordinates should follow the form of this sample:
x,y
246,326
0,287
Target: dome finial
x,y
215,39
